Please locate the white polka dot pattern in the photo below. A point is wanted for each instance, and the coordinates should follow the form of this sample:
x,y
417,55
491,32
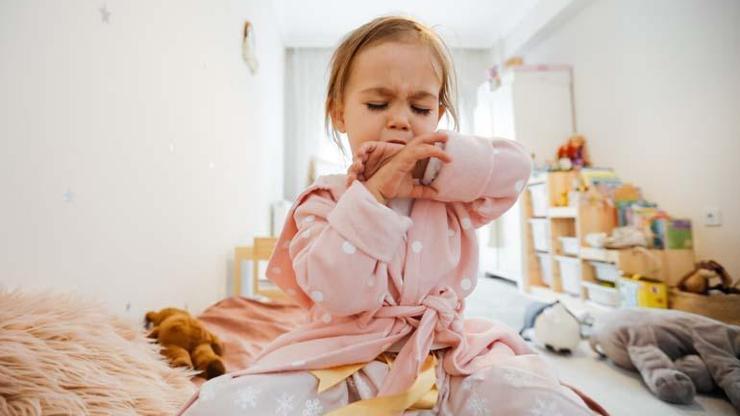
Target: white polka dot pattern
x,y
348,248
466,223
317,296
416,247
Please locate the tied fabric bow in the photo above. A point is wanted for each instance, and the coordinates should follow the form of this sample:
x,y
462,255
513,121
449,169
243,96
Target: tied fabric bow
x,y
440,314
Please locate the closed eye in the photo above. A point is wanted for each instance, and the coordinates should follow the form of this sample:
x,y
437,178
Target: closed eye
x,y
419,110
376,107
383,106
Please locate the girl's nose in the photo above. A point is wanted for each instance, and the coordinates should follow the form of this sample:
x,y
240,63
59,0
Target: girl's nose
x,y
398,120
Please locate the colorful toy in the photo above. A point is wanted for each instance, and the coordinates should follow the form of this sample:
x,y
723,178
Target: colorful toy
x,y
573,154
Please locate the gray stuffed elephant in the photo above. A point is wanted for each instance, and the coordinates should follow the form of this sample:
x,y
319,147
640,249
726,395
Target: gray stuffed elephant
x,y
677,353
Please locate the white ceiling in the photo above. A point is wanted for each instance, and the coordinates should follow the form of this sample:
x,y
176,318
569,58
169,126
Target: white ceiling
x,y
462,23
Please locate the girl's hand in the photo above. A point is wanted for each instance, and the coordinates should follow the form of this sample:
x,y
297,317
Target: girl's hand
x,y
394,178
370,157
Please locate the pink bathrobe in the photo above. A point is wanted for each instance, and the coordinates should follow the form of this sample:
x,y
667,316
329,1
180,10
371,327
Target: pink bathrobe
x,y
372,277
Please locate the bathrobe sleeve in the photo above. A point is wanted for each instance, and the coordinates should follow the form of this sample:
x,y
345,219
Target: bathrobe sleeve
x,y
339,250
486,175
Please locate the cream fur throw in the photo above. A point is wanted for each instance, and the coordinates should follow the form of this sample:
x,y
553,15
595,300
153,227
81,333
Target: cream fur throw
x,y
60,355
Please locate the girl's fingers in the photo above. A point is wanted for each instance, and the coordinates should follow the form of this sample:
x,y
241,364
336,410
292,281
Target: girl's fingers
x,y
440,154
367,147
425,151
355,170
394,147
357,166
361,153
361,156
432,138
371,156
380,155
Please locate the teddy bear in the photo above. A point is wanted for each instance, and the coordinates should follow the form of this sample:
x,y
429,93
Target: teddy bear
x,y
706,272
677,353
573,153
186,342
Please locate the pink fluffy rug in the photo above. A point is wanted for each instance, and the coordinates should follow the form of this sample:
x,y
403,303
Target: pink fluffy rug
x,y
60,355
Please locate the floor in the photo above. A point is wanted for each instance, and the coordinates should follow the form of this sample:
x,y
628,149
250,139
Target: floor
x,y
621,392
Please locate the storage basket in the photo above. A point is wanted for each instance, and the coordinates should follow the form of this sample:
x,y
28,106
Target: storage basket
x,y
722,307
545,262
570,274
538,192
607,272
642,292
540,233
602,294
570,245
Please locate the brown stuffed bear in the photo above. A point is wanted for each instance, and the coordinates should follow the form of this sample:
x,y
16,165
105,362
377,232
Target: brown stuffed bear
x,y
186,342
699,279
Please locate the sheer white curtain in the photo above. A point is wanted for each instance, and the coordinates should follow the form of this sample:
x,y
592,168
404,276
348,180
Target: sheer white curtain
x,y
306,141
306,78
470,66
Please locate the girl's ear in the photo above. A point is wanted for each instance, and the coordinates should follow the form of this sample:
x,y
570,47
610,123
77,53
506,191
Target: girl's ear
x,y
337,117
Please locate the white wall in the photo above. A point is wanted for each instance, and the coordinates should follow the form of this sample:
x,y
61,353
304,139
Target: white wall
x,y
657,94
172,151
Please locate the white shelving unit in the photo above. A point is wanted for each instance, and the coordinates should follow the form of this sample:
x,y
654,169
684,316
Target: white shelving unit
x,y
580,275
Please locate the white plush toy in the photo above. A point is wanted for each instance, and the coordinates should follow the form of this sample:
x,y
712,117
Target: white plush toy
x,y
555,327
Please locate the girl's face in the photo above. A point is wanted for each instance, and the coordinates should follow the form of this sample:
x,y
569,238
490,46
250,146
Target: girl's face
x,y
392,95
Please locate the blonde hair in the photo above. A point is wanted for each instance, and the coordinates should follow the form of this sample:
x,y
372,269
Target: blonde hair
x,y
385,29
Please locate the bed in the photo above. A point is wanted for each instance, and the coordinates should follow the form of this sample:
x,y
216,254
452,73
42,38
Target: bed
x,y
63,354
246,325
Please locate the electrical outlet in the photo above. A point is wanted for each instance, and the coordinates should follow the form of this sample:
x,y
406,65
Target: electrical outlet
x,y
712,217
128,306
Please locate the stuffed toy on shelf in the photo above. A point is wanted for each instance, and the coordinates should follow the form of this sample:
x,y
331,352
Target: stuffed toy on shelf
x,y
699,280
573,154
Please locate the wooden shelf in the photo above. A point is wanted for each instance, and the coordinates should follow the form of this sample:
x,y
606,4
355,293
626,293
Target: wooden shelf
x,y
600,254
563,212
665,265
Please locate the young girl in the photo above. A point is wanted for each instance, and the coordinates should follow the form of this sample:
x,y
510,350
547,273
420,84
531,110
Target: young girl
x,y
384,256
